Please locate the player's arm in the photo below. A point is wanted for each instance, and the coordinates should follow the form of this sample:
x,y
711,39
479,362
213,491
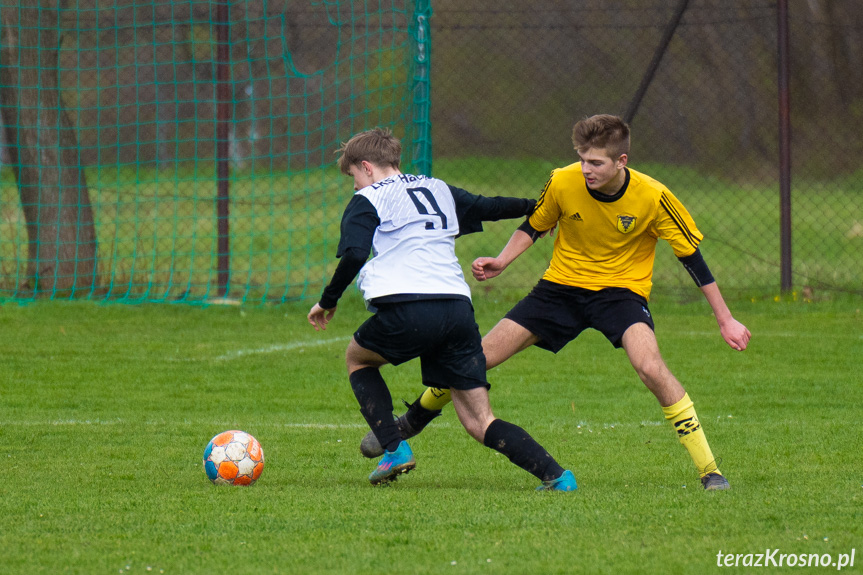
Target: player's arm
x,y
733,332
472,210
676,226
487,268
359,223
541,221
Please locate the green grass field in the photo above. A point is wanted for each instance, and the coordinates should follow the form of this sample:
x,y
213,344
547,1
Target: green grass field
x,y
106,410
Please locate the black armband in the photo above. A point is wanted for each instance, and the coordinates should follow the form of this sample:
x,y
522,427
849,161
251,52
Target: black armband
x,y
530,230
697,268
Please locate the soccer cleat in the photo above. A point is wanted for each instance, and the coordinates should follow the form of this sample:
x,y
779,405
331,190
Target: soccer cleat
x,y
565,482
714,482
371,448
393,464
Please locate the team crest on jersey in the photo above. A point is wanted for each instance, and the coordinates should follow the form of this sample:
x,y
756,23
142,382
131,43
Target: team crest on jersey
x,y
625,224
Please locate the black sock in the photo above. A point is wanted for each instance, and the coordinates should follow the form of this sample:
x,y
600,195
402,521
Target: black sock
x,y
418,416
376,405
521,449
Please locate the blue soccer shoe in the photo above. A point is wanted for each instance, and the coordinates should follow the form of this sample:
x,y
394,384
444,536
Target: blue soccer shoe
x,y
565,482
393,464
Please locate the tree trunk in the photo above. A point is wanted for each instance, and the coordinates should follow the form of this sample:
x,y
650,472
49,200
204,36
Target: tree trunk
x,y
44,152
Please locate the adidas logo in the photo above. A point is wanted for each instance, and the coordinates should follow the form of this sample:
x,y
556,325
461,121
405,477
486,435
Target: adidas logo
x,y
576,216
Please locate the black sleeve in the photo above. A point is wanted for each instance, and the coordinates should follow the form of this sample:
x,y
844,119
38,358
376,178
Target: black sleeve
x,y
473,210
697,268
359,223
350,264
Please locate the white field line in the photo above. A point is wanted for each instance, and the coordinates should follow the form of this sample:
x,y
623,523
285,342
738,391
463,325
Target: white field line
x,y
118,421
301,345
275,348
297,345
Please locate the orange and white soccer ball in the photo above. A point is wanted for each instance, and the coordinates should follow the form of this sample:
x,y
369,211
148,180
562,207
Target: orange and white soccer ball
x,y
233,458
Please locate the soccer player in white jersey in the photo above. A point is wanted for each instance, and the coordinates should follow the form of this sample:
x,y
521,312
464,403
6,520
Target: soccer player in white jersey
x,y
421,303
609,218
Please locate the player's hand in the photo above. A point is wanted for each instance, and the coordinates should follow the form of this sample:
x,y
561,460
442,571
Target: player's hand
x,y
320,317
735,334
486,268
549,233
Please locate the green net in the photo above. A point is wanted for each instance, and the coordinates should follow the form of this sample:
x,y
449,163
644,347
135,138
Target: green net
x,y
183,151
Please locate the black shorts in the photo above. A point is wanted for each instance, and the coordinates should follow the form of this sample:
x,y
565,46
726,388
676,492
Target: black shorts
x,y
441,332
556,313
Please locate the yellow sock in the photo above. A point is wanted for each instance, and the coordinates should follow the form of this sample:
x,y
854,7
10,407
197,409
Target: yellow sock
x,y
434,398
685,421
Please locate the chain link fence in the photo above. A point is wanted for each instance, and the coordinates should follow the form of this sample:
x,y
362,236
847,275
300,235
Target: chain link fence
x,y
130,100
511,78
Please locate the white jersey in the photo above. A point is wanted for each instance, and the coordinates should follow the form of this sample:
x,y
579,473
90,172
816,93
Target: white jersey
x,y
413,250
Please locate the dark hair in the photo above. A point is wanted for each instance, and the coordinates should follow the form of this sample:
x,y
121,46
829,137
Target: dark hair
x,y
377,146
602,131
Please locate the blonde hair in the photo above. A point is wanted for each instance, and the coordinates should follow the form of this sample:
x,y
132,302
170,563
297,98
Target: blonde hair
x,y
602,131
377,146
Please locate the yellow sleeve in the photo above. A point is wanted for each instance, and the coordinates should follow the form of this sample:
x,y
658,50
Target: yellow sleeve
x,y
674,225
547,211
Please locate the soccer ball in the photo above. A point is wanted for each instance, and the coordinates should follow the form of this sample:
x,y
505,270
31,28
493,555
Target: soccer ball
x,y
233,458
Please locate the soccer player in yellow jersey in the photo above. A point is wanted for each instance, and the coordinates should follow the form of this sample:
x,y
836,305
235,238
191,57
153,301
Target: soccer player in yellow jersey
x,y
609,218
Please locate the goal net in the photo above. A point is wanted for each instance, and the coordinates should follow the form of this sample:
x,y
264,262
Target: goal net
x,y
184,151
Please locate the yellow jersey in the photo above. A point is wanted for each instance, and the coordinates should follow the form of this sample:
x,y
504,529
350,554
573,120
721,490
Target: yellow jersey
x,y
610,241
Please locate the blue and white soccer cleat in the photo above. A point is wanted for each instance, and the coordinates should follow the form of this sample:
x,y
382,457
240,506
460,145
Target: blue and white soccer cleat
x,y
565,482
393,464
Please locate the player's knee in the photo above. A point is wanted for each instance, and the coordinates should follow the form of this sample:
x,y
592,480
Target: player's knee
x,y
351,362
358,357
505,340
652,371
